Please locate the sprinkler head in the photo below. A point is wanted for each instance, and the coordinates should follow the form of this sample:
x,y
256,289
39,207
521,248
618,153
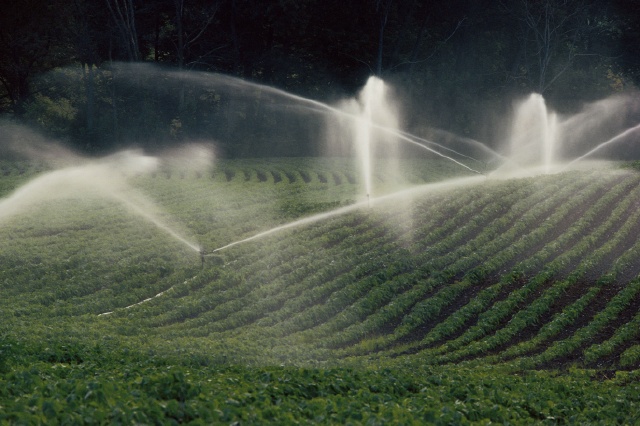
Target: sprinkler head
x,y
202,254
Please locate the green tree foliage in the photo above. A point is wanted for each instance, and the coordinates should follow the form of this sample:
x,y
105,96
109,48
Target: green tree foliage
x,y
32,41
448,61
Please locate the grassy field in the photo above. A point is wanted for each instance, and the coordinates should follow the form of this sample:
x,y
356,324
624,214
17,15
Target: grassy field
x,y
500,300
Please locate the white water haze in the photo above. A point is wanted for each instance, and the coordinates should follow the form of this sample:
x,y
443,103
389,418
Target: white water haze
x,y
376,111
363,122
368,124
17,141
85,178
542,141
392,197
535,134
194,157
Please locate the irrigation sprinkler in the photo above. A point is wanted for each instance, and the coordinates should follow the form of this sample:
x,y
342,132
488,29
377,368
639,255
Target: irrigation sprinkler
x,y
215,259
202,255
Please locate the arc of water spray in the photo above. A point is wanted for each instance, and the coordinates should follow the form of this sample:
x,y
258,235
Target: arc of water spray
x,y
427,141
199,77
399,134
97,178
602,145
300,222
473,142
406,136
402,135
148,299
329,108
416,143
153,219
321,216
352,207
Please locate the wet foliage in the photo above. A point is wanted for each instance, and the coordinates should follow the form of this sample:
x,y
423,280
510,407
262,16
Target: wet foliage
x,y
499,301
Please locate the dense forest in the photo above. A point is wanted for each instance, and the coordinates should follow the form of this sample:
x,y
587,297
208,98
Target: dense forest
x,y
66,65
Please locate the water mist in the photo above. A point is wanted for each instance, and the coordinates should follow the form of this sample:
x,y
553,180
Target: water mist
x,y
534,134
366,126
104,178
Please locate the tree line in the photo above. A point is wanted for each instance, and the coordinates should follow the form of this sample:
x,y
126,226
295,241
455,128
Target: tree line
x,y
448,61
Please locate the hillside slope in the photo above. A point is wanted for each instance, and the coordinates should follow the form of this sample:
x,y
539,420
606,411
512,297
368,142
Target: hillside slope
x,y
538,272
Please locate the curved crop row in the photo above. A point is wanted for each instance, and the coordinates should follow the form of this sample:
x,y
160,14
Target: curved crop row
x,y
431,308
530,314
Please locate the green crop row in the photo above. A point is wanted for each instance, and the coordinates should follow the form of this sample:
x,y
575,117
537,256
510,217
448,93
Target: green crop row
x,y
480,302
563,319
76,384
276,291
401,302
570,313
387,291
532,312
256,269
453,275
579,338
316,320
423,311
489,320
625,333
630,356
449,277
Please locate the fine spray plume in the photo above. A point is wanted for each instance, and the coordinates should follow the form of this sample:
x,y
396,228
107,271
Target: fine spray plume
x,y
193,157
372,115
539,140
605,129
535,144
543,141
21,142
76,176
367,127
370,122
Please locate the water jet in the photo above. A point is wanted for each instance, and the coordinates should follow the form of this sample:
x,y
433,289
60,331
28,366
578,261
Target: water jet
x,y
102,178
617,138
533,136
370,125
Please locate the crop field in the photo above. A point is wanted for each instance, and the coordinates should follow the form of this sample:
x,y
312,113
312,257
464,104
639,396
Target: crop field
x,y
446,298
